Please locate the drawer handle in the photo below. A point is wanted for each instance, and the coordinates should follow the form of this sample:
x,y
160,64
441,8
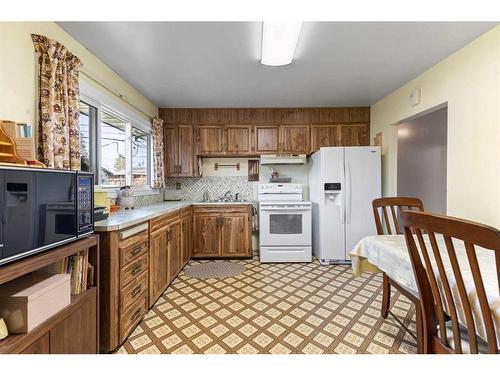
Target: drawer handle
x,y
137,250
136,269
136,314
136,290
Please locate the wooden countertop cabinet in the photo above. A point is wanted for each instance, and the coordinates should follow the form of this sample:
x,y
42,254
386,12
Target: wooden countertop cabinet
x,y
222,231
124,283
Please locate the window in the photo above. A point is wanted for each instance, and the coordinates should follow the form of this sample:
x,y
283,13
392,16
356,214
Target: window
x,y
113,168
115,148
140,157
88,117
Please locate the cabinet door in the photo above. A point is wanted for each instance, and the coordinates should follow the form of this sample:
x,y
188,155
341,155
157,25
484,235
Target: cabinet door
x,y
209,140
185,240
324,136
234,235
355,135
174,250
77,334
185,160
206,235
295,139
266,139
171,150
158,264
238,140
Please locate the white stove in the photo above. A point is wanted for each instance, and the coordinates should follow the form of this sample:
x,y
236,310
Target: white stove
x,y
285,224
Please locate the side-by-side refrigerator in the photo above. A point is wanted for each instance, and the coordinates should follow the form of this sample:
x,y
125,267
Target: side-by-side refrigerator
x,y
343,182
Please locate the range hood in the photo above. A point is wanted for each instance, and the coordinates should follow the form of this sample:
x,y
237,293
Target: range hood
x,y
283,159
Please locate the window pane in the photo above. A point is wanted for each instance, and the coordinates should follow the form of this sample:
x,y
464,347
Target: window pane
x,y
112,151
140,148
85,141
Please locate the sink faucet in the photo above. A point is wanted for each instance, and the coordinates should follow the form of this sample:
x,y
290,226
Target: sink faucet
x,y
227,195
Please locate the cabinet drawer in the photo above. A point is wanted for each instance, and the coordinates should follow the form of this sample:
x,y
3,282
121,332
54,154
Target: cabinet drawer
x,y
132,316
132,291
221,209
129,254
133,270
133,235
163,220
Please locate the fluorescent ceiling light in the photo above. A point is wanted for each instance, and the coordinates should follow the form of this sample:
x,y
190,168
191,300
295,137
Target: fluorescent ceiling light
x,y
279,40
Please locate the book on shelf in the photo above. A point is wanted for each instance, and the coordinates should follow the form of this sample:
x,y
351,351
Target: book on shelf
x,y
78,266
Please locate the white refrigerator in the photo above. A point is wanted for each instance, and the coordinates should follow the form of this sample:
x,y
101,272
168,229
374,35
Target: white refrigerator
x,y
343,182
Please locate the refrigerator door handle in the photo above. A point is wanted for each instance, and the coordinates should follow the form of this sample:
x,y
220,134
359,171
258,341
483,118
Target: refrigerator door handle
x,y
342,190
348,194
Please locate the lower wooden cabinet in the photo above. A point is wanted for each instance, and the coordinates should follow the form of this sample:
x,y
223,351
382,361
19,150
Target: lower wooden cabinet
x,y
125,262
170,250
222,231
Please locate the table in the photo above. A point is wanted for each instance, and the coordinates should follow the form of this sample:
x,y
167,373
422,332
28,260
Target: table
x,y
389,254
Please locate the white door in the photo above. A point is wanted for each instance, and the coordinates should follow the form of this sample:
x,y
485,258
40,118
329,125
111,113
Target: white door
x,y
331,204
363,185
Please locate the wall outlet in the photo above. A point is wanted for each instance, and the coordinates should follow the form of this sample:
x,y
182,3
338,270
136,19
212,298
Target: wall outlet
x,y
415,97
177,186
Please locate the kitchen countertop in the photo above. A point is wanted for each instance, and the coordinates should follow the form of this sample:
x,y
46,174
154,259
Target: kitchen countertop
x,y
126,218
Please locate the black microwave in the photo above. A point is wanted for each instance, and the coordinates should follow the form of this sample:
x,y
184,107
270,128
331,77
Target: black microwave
x,y
43,208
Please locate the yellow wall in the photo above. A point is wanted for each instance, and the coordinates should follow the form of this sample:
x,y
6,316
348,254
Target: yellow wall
x,y
469,81
18,71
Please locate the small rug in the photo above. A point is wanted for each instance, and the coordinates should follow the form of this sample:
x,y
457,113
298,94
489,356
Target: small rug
x,y
215,270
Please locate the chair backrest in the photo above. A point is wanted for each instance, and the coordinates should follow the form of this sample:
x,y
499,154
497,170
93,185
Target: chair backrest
x,y
443,294
395,205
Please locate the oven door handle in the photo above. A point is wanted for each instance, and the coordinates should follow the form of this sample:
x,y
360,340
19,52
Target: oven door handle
x,y
285,209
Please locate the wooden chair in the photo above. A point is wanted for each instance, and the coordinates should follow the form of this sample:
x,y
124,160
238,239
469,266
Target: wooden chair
x,y
386,212
433,298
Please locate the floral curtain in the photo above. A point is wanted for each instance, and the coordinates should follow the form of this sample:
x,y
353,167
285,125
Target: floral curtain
x,y
58,101
158,166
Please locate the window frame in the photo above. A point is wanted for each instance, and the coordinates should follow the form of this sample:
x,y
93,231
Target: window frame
x,y
95,98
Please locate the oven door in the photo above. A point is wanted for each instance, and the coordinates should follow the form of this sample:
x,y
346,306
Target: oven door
x,y
285,224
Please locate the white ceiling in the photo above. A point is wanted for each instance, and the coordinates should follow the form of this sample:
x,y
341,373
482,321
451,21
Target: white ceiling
x,y
217,64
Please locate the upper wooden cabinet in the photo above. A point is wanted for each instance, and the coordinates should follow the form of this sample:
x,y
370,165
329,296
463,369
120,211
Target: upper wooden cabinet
x,y
324,136
238,139
179,152
354,135
294,139
266,139
209,140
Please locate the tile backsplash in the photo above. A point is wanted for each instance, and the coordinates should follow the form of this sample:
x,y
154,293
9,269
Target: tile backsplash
x,y
193,188
149,199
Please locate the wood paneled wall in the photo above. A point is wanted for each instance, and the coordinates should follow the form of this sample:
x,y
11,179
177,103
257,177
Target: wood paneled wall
x,y
279,116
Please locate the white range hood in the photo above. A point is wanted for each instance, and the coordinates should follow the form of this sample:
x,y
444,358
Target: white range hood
x,y
283,159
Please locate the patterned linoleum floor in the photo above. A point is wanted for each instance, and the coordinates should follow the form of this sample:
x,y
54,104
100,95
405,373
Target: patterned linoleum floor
x,y
274,308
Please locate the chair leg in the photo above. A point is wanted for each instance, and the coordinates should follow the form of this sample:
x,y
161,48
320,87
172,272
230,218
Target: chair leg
x,y
421,349
386,296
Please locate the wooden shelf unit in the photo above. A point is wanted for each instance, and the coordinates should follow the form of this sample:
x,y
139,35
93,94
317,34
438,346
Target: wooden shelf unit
x,y
60,332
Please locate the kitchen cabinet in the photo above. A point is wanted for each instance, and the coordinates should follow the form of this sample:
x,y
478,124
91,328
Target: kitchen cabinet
x,y
209,140
158,268
294,139
186,235
179,151
222,231
354,135
206,234
266,139
165,253
324,136
234,234
174,250
238,140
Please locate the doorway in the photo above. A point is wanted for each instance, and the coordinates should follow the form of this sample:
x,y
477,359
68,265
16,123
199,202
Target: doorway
x,y
422,144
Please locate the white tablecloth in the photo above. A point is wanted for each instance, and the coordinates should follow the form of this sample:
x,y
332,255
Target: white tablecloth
x,y
388,253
